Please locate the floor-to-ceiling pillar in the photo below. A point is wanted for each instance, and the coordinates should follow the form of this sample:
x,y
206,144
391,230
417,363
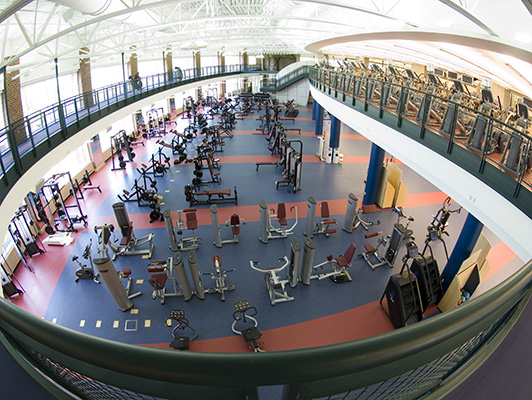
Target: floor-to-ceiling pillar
x,y
374,175
168,63
462,249
84,77
13,112
318,117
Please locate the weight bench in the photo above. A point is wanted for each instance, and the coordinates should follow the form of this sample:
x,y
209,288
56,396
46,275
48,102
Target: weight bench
x,y
294,129
288,118
213,196
258,164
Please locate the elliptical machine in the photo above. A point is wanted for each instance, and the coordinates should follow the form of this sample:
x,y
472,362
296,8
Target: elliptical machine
x,y
86,272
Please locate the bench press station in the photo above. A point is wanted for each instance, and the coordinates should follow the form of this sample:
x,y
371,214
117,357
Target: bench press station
x,y
213,196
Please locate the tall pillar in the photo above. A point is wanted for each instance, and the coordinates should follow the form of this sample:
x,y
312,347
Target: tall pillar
x,y
314,110
462,249
245,60
223,89
132,65
168,63
374,175
318,131
197,63
13,111
84,77
334,137
221,61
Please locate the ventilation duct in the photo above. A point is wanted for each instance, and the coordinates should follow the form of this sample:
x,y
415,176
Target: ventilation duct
x,y
93,7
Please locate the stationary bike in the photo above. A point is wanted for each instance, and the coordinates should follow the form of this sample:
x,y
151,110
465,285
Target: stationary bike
x,y
245,312
180,342
84,271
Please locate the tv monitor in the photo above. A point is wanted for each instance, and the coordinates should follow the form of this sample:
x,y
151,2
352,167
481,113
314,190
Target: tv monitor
x,y
452,75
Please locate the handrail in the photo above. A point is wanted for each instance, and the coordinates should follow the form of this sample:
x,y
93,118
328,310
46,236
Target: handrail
x,y
275,367
498,132
305,372
23,142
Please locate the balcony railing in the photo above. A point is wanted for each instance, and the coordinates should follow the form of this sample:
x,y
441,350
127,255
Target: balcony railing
x,y
407,363
24,142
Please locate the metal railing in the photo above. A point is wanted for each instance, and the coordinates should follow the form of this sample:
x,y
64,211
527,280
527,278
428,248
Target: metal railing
x,y
276,84
500,154
25,141
407,363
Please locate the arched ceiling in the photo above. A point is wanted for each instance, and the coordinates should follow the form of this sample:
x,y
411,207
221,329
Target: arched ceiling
x,y
39,31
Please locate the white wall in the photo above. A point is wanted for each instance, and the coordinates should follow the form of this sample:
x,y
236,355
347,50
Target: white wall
x,y
299,91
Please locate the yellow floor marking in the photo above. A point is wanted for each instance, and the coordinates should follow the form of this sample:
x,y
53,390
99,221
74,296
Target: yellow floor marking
x,y
116,324
134,311
167,191
98,324
145,256
82,323
139,281
54,320
172,180
147,323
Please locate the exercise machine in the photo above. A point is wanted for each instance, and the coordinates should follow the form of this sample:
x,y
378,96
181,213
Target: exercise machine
x,y
403,295
213,196
275,285
339,265
324,224
439,224
107,272
26,242
399,235
267,230
180,342
173,270
219,278
189,223
291,160
352,219
243,314
234,221
129,242
85,271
